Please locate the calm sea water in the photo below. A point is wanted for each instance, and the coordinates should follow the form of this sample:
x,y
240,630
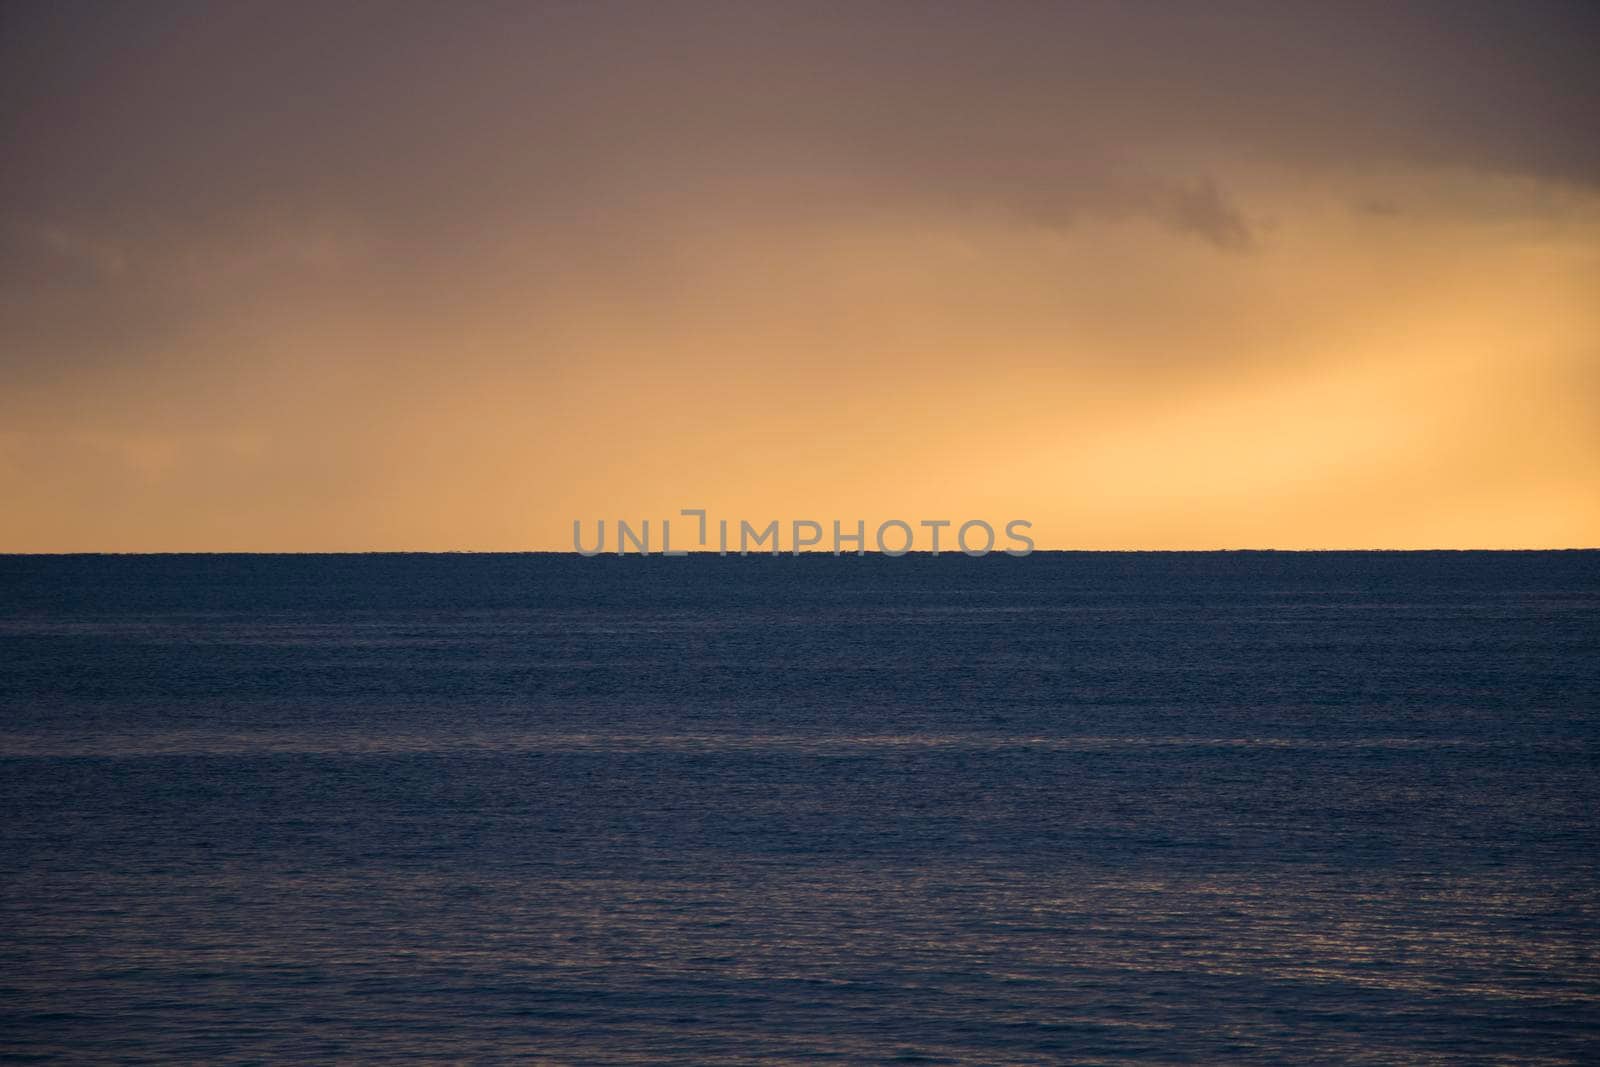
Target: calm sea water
x,y
1099,808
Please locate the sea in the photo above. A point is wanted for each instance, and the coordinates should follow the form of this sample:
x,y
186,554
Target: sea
x,y
1097,808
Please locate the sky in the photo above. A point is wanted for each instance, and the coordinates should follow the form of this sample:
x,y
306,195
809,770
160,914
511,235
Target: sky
x,y
425,276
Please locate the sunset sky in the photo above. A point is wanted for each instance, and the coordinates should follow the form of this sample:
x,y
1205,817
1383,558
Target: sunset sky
x,y
360,276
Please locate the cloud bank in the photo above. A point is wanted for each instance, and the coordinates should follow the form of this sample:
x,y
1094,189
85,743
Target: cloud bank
x,y
404,276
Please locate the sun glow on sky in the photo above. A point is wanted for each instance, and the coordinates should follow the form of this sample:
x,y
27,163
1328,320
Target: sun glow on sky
x,y
416,277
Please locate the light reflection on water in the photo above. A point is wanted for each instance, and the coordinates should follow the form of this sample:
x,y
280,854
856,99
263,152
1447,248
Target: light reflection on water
x,y
135,744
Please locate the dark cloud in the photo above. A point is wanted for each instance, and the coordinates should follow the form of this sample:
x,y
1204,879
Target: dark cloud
x,y
1197,208
1203,210
429,112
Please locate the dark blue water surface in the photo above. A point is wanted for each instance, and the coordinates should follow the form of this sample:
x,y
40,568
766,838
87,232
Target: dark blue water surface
x,y
1102,808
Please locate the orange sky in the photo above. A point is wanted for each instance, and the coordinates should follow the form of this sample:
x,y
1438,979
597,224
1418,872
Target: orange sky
x,y
404,277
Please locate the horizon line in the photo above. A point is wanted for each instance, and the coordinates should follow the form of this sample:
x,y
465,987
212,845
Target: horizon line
x,y
713,553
